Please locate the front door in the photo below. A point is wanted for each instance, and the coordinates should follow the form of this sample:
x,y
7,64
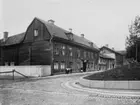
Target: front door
x,y
84,66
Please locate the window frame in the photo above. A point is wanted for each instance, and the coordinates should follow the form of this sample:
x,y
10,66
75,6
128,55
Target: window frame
x,y
63,50
62,65
78,53
56,67
36,32
70,51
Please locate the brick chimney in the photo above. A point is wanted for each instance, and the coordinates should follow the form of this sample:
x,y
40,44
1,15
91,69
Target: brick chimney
x,y
106,45
113,48
82,35
5,36
51,21
70,29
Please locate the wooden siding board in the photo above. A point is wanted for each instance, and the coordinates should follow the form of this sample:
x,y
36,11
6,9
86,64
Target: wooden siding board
x,y
74,59
41,53
9,54
43,33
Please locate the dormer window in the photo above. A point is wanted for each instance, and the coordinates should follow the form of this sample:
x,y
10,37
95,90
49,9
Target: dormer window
x,y
36,32
91,44
69,35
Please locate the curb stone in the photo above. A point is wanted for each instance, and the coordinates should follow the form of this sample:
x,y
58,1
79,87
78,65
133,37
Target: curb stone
x,y
100,93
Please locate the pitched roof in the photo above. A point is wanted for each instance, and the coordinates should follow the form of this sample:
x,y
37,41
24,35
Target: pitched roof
x,y
53,30
61,33
14,39
111,50
123,52
105,56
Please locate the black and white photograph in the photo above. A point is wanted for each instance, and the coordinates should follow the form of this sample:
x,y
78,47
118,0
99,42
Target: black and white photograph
x,y
69,52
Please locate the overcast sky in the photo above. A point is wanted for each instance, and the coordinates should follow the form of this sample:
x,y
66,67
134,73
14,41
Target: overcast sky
x,y
102,21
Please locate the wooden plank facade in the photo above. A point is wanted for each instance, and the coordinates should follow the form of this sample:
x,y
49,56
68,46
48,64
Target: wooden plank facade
x,y
106,62
44,43
118,57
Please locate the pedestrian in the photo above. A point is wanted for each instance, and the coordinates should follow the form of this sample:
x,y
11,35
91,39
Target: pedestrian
x,y
67,70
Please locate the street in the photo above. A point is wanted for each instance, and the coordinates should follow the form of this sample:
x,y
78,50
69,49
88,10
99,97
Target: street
x,y
51,91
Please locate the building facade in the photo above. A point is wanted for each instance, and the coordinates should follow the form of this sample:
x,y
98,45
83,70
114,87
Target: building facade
x,y
106,62
118,57
44,43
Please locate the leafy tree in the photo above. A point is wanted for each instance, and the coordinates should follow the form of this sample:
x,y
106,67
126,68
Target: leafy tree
x,y
133,40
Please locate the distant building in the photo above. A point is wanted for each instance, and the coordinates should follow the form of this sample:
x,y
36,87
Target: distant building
x,y
123,52
44,43
117,56
106,62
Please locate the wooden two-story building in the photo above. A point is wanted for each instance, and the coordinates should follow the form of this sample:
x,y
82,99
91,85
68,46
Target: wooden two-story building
x,y
44,43
106,62
110,52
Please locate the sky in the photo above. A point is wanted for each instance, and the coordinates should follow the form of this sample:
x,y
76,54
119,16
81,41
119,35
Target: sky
x,y
101,21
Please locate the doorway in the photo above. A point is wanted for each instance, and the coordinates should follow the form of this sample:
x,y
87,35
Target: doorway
x,y
84,66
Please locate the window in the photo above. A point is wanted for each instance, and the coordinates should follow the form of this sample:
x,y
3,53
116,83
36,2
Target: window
x,y
78,53
12,63
84,54
88,65
70,64
69,35
93,55
35,32
62,65
56,65
89,54
56,51
70,51
63,49
6,63
92,64
96,55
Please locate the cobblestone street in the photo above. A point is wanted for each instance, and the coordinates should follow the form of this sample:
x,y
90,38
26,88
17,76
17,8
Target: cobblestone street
x,y
50,91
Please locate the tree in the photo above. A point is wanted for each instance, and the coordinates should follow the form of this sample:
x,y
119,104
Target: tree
x,y
132,41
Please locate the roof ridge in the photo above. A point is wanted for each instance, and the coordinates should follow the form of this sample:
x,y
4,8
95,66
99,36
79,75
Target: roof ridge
x,y
64,36
111,50
17,34
15,39
106,56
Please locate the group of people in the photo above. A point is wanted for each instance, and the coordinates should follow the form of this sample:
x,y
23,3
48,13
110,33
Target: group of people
x,y
68,70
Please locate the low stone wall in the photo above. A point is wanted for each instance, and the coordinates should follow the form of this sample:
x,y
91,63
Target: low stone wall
x,y
110,84
40,70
